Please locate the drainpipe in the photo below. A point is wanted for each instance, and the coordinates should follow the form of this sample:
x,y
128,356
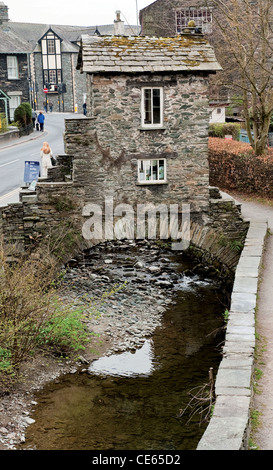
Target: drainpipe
x,y
30,81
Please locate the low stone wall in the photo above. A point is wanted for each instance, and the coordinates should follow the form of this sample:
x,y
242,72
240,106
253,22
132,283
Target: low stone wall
x,y
220,241
8,136
229,426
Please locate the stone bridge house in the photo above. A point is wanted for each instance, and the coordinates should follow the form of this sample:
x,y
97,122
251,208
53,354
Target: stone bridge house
x,y
144,141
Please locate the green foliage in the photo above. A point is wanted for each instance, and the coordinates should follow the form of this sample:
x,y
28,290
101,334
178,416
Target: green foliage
x,y
64,332
33,318
30,316
220,130
236,245
3,123
28,111
226,315
5,360
22,114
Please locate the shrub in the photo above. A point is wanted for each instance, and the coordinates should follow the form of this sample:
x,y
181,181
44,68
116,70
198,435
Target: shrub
x,y
63,333
32,316
28,111
221,130
234,167
22,114
3,123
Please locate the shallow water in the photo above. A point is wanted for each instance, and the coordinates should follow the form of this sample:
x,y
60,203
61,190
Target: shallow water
x,y
132,401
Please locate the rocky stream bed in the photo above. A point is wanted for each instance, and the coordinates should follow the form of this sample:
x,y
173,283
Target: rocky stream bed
x,y
130,284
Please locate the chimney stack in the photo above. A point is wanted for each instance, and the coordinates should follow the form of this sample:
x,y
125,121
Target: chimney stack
x,y
118,25
4,15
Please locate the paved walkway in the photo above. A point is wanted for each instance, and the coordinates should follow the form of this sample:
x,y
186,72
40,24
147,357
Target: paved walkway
x,y
263,401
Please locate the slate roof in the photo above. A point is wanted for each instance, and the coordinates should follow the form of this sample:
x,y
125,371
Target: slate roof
x,y
146,54
71,35
11,43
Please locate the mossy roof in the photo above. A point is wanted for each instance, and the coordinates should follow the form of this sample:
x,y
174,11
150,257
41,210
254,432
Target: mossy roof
x,y
146,54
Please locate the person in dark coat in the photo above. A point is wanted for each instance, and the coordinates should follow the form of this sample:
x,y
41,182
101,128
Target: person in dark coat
x,y
33,117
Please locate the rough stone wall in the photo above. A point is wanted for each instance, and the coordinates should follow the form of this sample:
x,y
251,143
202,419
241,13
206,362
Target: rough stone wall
x,y
107,146
158,19
101,163
19,85
51,216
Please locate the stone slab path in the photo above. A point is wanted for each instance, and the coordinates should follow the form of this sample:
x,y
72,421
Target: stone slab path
x,y
263,401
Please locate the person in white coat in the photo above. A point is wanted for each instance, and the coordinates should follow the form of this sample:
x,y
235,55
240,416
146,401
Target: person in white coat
x,y
46,155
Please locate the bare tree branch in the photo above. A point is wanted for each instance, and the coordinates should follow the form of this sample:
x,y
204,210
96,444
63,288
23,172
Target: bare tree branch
x,y
246,46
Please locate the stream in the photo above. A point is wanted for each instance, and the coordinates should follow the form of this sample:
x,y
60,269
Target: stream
x,y
132,398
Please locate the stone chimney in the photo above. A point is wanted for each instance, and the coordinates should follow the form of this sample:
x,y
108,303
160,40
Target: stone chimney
x,y
118,25
4,15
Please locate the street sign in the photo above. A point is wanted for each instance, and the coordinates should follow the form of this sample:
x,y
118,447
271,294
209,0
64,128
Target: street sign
x,y
45,90
32,171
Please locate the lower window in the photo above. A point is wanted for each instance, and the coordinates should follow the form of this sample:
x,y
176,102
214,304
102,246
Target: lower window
x,y
152,171
14,102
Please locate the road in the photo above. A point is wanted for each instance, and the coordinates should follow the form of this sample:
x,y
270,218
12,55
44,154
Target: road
x,y
13,157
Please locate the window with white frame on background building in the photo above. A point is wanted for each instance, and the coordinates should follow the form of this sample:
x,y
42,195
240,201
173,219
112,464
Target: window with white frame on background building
x,y
201,16
14,102
51,57
12,67
152,107
152,171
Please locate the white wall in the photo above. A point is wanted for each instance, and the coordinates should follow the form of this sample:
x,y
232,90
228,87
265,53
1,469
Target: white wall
x,y
217,114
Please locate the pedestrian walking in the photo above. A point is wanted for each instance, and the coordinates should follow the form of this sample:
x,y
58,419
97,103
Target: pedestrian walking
x,y
33,117
41,120
50,106
46,156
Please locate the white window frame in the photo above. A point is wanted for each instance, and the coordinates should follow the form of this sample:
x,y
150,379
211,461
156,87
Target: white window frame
x,y
12,67
50,46
201,15
14,102
145,170
151,125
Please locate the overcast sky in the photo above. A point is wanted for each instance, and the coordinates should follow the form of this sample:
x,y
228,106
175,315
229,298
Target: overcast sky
x,y
70,12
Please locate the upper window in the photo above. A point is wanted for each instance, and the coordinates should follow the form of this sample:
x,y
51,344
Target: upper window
x,y
152,107
201,16
152,171
51,59
12,66
50,46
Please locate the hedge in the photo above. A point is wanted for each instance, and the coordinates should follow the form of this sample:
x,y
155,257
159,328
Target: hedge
x,y
234,167
220,130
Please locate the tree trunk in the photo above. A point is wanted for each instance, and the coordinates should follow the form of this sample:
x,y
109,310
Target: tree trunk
x,y
261,138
